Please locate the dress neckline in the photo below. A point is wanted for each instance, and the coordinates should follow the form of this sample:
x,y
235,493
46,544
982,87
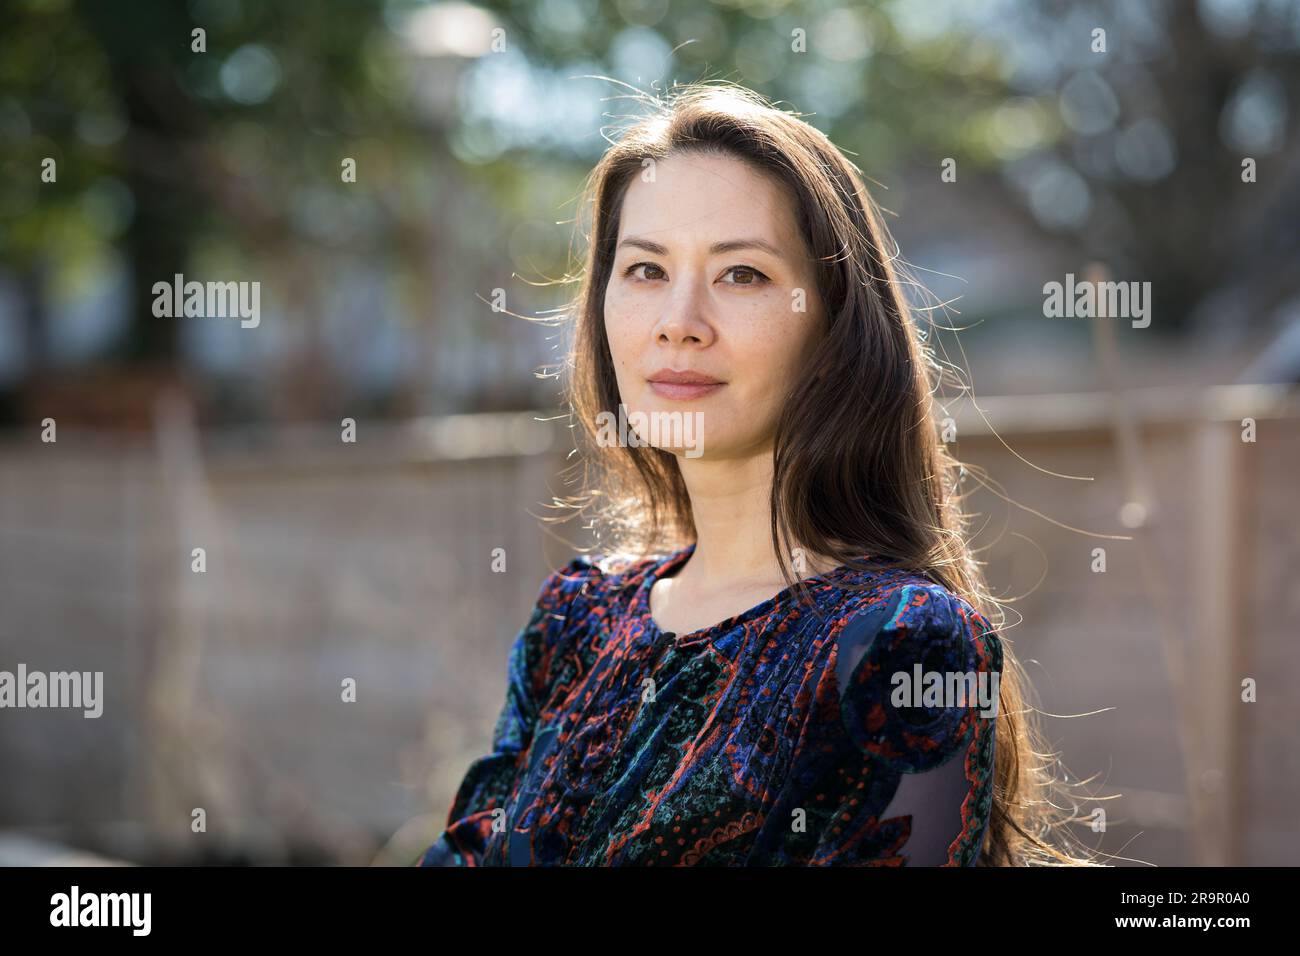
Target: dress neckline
x,y
674,562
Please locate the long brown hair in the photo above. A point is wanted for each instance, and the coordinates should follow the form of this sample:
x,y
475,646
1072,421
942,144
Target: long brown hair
x,y
858,466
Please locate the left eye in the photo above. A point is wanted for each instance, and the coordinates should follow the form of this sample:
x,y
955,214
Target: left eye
x,y
746,275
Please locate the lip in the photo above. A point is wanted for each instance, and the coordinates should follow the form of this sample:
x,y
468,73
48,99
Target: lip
x,y
683,385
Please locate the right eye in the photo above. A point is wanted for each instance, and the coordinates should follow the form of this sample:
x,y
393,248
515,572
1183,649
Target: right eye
x,y
646,265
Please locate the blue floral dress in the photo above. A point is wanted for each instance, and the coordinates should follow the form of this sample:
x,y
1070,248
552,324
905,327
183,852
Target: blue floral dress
x,y
856,733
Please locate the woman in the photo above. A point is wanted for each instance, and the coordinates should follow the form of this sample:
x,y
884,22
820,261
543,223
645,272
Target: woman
x,y
703,700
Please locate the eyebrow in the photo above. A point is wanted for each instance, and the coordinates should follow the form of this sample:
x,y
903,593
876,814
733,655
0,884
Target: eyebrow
x,y
718,248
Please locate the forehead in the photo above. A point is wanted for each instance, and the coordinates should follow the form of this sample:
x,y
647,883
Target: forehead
x,y
706,197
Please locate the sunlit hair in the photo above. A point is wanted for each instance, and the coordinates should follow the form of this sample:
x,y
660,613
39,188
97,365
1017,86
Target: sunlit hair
x,y
860,474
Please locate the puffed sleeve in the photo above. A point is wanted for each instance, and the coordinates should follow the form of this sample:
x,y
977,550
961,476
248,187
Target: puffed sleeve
x,y
917,677
538,654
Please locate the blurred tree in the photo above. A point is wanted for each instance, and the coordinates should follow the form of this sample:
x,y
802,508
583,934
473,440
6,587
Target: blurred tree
x,y
1132,153
129,96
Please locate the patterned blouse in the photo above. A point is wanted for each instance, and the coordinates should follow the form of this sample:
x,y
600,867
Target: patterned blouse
x,y
778,737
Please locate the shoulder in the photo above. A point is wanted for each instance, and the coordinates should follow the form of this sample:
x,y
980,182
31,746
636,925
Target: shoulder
x,y
910,612
590,587
917,667
593,578
573,603
576,579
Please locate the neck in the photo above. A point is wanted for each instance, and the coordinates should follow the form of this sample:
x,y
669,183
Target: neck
x,y
732,512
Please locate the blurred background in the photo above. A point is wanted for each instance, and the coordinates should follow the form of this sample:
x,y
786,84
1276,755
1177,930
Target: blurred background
x,y
388,171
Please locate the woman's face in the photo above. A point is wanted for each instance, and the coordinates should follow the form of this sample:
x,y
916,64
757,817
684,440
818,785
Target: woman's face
x,y
710,277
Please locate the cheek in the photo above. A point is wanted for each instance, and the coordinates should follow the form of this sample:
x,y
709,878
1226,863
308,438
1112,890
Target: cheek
x,y
616,326
628,317
621,345
777,342
803,330
625,343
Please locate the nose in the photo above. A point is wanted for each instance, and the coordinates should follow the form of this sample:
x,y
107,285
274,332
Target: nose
x,y
685,319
